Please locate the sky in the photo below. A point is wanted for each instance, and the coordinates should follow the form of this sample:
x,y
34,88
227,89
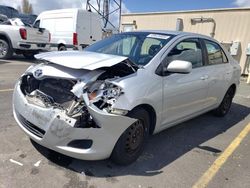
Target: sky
x,y
133,5
174,5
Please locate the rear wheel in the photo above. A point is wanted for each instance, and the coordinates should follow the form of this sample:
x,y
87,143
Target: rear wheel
x,y
6,50
131,143
225,105
62,48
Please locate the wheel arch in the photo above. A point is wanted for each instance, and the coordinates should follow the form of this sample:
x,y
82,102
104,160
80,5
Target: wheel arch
x,y
61,44
152,115
4,36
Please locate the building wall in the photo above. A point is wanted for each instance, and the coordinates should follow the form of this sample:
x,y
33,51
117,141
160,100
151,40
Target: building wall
x,y
231,25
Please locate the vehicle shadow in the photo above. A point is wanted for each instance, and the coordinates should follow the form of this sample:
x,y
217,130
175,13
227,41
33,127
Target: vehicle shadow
x,y
161,150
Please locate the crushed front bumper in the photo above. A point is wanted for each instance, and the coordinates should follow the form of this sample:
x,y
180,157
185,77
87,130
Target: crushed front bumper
x,y
53,129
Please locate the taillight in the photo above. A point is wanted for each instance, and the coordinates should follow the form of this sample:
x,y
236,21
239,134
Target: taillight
x,y
23,33
49,37
75,40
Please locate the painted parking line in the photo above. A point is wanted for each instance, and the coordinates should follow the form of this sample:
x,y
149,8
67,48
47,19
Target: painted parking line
x,y
211,172
6,90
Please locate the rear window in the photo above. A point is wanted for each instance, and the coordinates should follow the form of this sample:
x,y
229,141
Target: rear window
x,y
37,24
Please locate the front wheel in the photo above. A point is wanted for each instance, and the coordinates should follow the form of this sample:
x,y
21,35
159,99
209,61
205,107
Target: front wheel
x,y
131,143
225,105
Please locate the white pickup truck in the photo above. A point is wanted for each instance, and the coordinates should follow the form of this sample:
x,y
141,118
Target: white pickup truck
x,y
16,37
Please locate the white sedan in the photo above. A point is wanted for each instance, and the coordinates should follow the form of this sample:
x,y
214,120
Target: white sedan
x,y
104,102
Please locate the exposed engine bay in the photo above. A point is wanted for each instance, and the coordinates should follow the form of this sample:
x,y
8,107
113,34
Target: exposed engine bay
x,y
71,94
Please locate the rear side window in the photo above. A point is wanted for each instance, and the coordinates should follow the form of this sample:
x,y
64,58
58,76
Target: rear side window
x,y
187,50
215,53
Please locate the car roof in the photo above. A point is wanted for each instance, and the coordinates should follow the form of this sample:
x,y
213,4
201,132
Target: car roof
x,y
176,33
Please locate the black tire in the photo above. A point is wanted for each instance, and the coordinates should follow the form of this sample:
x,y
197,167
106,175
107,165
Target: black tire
x,y
225,105
29,55
62,48
131,143
6,50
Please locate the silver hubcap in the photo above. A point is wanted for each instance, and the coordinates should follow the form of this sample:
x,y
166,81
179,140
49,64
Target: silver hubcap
x,y
3,49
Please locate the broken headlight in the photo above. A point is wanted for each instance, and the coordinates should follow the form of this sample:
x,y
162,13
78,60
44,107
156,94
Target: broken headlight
x,y
112,91
103,91
104,94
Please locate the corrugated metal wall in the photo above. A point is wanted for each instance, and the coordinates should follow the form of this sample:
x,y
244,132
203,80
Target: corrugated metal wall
x,y
231,25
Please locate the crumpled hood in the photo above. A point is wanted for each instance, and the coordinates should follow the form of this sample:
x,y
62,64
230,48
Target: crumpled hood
x,y
81,59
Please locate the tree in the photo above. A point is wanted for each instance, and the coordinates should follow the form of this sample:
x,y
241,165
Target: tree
x,y
26,7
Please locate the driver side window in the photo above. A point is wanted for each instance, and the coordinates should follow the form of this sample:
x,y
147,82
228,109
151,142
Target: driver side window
x,y
187,50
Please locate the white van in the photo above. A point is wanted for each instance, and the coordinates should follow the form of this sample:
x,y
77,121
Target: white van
x,y
71,28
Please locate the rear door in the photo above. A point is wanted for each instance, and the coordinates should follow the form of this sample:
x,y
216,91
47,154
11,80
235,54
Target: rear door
x,y
83,28
96,28
185,94
219,70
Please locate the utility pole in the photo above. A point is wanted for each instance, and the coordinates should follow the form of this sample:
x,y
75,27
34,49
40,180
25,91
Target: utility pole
x,y
103,8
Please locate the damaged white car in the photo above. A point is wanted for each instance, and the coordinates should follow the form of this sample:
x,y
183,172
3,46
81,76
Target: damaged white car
x,y
105,101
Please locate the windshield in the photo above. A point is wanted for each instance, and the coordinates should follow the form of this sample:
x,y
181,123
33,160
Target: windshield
x,y
139,47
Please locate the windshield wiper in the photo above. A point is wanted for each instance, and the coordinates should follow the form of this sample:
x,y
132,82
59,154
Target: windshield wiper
x,y
134,65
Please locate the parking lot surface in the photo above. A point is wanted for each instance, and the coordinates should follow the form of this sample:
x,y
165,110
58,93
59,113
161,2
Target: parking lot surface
x,y
177,157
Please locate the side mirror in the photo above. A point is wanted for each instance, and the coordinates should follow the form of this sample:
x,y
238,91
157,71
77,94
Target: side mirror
x,y
178,66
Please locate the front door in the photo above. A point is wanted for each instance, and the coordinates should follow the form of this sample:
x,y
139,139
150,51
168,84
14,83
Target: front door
x,y
184,94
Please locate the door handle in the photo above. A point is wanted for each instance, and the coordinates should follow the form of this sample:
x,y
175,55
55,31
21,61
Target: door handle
x,y
204,77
